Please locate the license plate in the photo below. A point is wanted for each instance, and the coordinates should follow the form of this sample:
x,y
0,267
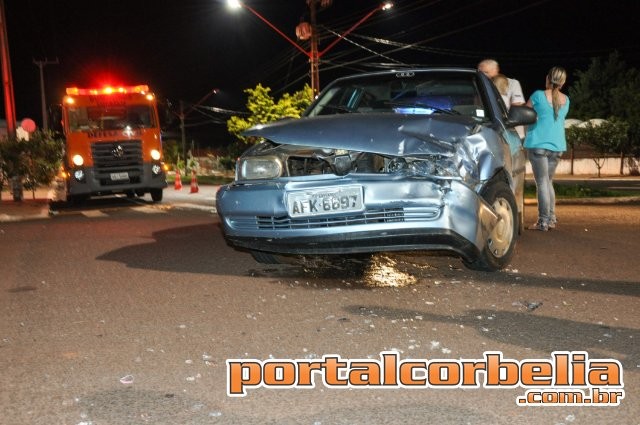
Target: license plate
x,y
119,176
312,202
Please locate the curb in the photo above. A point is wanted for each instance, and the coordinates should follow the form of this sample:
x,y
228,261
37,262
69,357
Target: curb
x,y
612,200
27,209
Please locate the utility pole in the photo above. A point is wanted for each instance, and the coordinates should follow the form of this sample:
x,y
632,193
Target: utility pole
x,y
182,132
183,114
314,57
41,64
306,31
7,80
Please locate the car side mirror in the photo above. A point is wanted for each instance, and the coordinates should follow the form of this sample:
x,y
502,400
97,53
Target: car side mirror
x,y
521,115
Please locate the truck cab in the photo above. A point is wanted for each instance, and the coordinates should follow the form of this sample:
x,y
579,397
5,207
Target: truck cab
x,y
113,143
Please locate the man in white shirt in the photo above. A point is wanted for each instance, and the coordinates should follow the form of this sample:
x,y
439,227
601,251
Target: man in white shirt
x,y
491,68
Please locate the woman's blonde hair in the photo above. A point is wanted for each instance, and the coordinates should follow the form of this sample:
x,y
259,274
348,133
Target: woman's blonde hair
x,y
502,84
556,77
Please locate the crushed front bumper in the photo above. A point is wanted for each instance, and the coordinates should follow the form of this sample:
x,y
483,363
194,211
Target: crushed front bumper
x,y
399,214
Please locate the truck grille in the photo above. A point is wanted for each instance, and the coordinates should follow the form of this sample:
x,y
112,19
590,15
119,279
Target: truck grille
x,y
117,157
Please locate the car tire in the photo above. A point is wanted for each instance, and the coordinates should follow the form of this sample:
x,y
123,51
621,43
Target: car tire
x,y
156,195
500,244
264,257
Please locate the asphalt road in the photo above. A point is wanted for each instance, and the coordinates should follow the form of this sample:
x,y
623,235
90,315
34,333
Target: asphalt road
x,y
121,313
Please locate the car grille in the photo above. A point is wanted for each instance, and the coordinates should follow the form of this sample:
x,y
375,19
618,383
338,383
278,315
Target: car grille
x,y
128,159
370,216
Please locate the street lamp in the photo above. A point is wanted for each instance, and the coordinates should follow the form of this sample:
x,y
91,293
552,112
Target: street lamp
x,y
314,55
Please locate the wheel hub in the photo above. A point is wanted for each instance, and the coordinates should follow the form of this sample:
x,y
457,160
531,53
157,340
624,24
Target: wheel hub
x,y
502,234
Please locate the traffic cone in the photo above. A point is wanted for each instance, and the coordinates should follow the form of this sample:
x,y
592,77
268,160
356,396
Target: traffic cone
x,y
194,183
178,183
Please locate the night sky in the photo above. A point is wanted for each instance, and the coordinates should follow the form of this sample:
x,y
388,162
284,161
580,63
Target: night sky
x,y
184,49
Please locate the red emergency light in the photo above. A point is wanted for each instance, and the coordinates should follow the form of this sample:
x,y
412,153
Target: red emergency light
x,y
75,91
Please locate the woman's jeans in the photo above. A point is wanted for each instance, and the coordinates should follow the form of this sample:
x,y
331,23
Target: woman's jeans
x,y
543,164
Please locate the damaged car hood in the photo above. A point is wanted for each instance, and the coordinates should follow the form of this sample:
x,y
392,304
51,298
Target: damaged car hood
x,y
384,133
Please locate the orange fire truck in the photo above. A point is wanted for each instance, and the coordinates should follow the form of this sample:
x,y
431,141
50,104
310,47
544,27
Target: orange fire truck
x,y
113,143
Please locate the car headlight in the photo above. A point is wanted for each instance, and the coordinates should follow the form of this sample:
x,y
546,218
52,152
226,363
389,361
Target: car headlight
x,y
78,160
257,168
155,154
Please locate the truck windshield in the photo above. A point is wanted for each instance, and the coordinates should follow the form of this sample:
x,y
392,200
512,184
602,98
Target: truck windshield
x,y
92,118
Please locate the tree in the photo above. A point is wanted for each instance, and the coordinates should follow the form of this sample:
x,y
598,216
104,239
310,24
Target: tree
x,y
610,89
9,161
573,136
264,108
171,152
36,161
627,107
591,93
605,138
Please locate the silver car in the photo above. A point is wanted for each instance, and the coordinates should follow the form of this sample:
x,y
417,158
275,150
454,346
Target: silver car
x,y
421,159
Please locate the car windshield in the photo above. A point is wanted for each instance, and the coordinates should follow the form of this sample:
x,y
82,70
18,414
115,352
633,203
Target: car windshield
x,y
111,117
436,92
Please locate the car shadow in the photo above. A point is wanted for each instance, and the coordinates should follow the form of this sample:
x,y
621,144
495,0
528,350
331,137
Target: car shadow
x,y
201,249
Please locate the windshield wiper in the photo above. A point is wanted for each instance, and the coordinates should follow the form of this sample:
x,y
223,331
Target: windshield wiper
x,y
423,105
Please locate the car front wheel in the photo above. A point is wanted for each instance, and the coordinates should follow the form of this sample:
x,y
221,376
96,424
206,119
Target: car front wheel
x,y
500,244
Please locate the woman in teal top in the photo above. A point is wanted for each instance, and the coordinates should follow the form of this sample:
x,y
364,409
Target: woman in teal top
x,y
545,142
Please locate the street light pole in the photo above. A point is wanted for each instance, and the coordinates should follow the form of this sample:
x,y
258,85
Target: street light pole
x,y
235,4
183,138
314,55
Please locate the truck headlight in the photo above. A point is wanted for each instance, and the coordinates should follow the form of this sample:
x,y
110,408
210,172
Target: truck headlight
x,y
79,175
155,154
261,167
78,160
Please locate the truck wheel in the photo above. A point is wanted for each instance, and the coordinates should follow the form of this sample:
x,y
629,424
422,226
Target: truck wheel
x,y
500,244
156,195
